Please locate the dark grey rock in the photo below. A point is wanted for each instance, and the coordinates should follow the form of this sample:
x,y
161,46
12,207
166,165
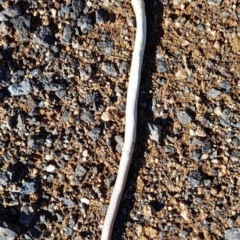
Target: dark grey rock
x,y
109,69
61,94
184,234
226,113
225,85
184,117
235,142
68,231
8,231
196,141
22,88
194,178
65,10
37,73
75,16
232,234
162,66
86,72
161,81
85,23
80,171
49,86
4,74
106,47
68,202
17,76
207,146
34,233
55,49
213,93
195,154
22,24
13,11
110,181
169,149
207,182
77,5
155,132
3,94
71,222
3,144
5,178
91,99
36,141
101,16
124,67
26,216
94,134
225,117
44,36
30,187
201,27
65,117
235,156
67,34
87,117
109,143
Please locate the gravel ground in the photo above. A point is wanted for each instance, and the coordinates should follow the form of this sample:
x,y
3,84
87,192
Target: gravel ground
x,y
64,73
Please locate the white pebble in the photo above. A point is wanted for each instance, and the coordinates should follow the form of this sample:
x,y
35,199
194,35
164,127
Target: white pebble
x,y
85,200
50,168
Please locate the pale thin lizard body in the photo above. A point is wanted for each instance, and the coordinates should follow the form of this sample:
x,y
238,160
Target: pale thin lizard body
x,y
131,119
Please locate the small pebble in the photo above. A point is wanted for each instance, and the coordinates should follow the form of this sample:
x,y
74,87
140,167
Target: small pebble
x,y
94,134
22,88
44,37
30,187
225,85
194,178
80,171
200,132
106,116
155,132
207,147
85,200
162,66
50,168
195,154
109,69
213,93
22,24
77,5
184,117
106,47
85,23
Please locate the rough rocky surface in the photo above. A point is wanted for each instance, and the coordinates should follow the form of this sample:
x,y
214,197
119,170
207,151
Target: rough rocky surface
x,y
64,68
